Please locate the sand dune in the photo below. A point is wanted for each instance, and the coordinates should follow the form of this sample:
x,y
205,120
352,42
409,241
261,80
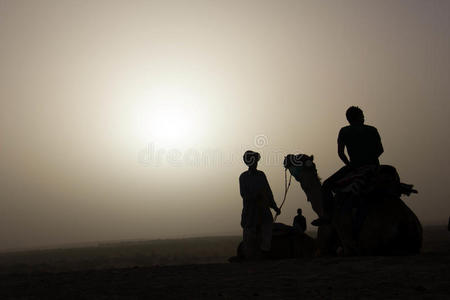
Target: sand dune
x,y
425,276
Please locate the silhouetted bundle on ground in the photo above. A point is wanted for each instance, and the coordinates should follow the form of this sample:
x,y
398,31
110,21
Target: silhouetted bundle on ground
x,y
287,242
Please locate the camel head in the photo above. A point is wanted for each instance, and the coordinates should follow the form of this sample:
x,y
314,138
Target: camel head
x,y
302,167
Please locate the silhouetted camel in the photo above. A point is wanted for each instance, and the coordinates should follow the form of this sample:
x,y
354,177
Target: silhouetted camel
x,y
388,227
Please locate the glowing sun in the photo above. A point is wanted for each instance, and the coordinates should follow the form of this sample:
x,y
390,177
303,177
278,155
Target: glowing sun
x,y
170,116
169,126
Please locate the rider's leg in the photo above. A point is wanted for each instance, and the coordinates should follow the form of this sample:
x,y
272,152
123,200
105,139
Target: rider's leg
x,y
325,208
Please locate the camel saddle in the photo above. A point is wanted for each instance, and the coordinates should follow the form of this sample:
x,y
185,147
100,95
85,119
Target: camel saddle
x,y
373,180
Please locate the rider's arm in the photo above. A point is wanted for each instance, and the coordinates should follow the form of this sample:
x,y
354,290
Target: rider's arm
x,y
379,146
341,147
341,153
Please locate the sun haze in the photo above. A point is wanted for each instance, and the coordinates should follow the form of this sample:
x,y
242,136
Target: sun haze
x,y
128,119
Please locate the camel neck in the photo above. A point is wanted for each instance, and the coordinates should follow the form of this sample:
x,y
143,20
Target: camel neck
x,y
314,190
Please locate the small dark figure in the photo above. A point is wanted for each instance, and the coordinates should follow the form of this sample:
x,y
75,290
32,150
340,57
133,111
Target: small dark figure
x,y
299,222
256,220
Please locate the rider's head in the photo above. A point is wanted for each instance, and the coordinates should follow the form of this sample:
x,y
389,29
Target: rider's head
x,y
355,115
251,159
299,211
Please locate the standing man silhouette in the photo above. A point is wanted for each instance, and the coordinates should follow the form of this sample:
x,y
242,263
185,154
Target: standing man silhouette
x,y
256,220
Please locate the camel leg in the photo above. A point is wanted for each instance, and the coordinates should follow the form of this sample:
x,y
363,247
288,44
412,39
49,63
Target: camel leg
x,y
343,224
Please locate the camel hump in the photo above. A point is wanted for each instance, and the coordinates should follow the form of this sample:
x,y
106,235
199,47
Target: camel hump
x,y
388,177
389,172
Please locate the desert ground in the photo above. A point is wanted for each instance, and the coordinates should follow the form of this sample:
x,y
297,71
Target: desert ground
x,y
197,269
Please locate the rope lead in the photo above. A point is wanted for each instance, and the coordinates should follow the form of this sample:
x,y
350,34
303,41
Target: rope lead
x,y
286,189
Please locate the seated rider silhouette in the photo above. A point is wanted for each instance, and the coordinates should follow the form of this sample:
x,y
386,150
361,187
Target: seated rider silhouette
x,y
364,147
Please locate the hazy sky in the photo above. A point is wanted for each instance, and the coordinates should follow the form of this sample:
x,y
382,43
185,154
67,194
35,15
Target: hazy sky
x,y
128,119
